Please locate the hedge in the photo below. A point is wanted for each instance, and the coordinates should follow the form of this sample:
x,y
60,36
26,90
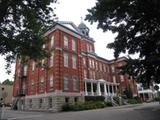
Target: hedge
x,y
86,106
94,98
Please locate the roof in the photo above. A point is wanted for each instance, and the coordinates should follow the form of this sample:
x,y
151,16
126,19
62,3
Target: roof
x,y
71,27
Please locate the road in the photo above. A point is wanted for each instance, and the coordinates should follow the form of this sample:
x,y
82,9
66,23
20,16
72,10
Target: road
x,y
146,111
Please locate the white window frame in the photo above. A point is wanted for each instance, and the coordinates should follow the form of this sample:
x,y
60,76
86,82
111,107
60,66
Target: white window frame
x,y
51,81
51,60
100,66
74,62
73,45
75,83
90,63
94,75
66,83
87,48
104,67
65,59
85,73
65,42
52,41
42,79
33,65
93,64
113,68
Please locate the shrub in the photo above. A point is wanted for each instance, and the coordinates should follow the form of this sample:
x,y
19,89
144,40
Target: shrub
x,y
109,104
94,98
134,101
85,106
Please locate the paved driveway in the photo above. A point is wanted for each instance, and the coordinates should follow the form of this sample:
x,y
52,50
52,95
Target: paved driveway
x,y
148,111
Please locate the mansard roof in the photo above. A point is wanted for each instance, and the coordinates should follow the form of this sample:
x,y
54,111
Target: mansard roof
x,y
71,27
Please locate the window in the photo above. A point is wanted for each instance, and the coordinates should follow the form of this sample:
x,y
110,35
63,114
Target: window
x,y
73,45
52,41
65,42
90,48
96,66
32,84
74,65
85,74
90,63
76,99
25,70
75,84
42,81
84,61
100,65
108,69
94,76
50,102
51,61
66,83
90,74
104,67
65,60
33,66
30,103
42,64
93,63
113,69
67,100
40,102
87,48
51,81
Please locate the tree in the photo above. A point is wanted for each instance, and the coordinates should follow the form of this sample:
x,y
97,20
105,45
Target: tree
x,y
7,82
137,24
22,24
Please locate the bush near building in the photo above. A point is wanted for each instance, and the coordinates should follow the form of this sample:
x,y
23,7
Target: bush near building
x,y
94,98
135,100
86,106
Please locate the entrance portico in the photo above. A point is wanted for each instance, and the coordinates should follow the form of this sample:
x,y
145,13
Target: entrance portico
x,y
100,88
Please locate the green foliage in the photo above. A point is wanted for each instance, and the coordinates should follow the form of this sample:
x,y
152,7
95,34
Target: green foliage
x,y
137,24
109,104
94,98
7,82
135,100
86,106
22,25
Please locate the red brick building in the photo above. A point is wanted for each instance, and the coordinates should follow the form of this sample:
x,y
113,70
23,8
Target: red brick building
x,y
73,71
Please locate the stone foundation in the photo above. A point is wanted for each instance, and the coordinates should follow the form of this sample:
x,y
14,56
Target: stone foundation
x,y
47,102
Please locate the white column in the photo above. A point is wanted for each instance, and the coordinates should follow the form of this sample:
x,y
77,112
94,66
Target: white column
x,y
92,93
108,90
105,89
98,89
86,92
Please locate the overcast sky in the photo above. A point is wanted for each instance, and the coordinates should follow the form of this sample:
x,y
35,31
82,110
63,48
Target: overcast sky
x,y
73,10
